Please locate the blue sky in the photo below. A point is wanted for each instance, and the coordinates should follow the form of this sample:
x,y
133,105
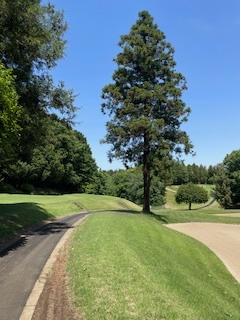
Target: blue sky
x,y
206,38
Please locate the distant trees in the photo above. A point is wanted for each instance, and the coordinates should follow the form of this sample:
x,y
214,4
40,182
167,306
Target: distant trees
x,y
145,102
191,193
127,184
197,174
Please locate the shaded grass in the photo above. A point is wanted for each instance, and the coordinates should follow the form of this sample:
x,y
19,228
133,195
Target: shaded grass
x,y
19,211
15,217
129,266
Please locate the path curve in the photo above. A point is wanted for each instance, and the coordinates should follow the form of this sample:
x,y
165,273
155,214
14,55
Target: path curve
x,y
21,264
222,239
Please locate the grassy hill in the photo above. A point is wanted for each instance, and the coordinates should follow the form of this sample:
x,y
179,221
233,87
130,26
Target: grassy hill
x,y
129,266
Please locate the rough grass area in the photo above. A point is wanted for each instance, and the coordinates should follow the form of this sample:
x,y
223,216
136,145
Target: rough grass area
x,y
129,266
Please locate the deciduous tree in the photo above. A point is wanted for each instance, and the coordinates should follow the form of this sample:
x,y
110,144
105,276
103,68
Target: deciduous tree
x,y
191,193
145,101
31,43
10,115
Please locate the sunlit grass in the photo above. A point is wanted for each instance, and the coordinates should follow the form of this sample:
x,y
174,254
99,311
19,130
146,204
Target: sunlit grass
x,y
129,266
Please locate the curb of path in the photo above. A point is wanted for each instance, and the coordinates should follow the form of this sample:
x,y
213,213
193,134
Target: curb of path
x,y
31,303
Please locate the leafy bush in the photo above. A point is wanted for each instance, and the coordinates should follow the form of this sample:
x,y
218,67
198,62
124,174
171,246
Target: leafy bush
x,y
6,187
27,187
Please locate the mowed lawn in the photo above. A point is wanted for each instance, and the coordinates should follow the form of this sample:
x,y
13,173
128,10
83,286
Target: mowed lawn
x,y
129,266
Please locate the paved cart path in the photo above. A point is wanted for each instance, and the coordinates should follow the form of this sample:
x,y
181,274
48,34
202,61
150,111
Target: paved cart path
x,y
21,264
222,239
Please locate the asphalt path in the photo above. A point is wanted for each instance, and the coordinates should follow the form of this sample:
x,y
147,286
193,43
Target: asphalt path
x,y
22,263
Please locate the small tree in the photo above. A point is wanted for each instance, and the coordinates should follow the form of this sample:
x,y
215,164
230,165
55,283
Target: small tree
x,y
191,193
145,102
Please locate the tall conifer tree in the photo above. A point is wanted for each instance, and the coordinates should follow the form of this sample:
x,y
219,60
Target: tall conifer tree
x,y
145,101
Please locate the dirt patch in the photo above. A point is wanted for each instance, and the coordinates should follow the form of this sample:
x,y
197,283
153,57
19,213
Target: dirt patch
x,y
54,302
222,239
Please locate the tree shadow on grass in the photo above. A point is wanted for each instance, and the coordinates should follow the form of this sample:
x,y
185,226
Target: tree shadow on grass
x,y
161,218
19,216
20,220
158,217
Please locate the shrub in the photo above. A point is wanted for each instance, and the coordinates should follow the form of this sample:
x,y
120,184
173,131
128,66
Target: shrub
x,y
6,187
27,187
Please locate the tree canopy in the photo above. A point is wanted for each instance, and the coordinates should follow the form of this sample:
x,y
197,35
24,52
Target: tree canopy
x,y
10,115
227,181
144,101
48,151
191,193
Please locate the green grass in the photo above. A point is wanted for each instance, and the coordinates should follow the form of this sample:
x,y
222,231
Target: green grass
x,y
171,203
21,211
129,266
179,213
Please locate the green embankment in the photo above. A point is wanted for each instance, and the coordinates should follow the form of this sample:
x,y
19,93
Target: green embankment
x,y
129,266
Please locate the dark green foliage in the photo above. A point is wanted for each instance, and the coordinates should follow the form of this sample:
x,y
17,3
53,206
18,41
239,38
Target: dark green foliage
x,y
227,181
222,189
6,187
191,193
10,115
128,184
48,152
182,174
27,187
62,159
144,101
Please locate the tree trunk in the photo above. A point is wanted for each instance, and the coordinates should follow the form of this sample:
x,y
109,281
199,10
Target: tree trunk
x,y
190,206
146,176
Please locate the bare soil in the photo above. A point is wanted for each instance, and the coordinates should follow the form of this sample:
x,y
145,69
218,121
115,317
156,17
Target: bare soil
x,y
54,302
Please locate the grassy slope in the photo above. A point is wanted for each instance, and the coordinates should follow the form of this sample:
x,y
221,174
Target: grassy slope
x,y
21,211
135,268
129,266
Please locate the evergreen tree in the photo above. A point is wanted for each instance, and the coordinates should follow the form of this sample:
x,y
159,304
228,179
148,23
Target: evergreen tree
x,y
144,101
